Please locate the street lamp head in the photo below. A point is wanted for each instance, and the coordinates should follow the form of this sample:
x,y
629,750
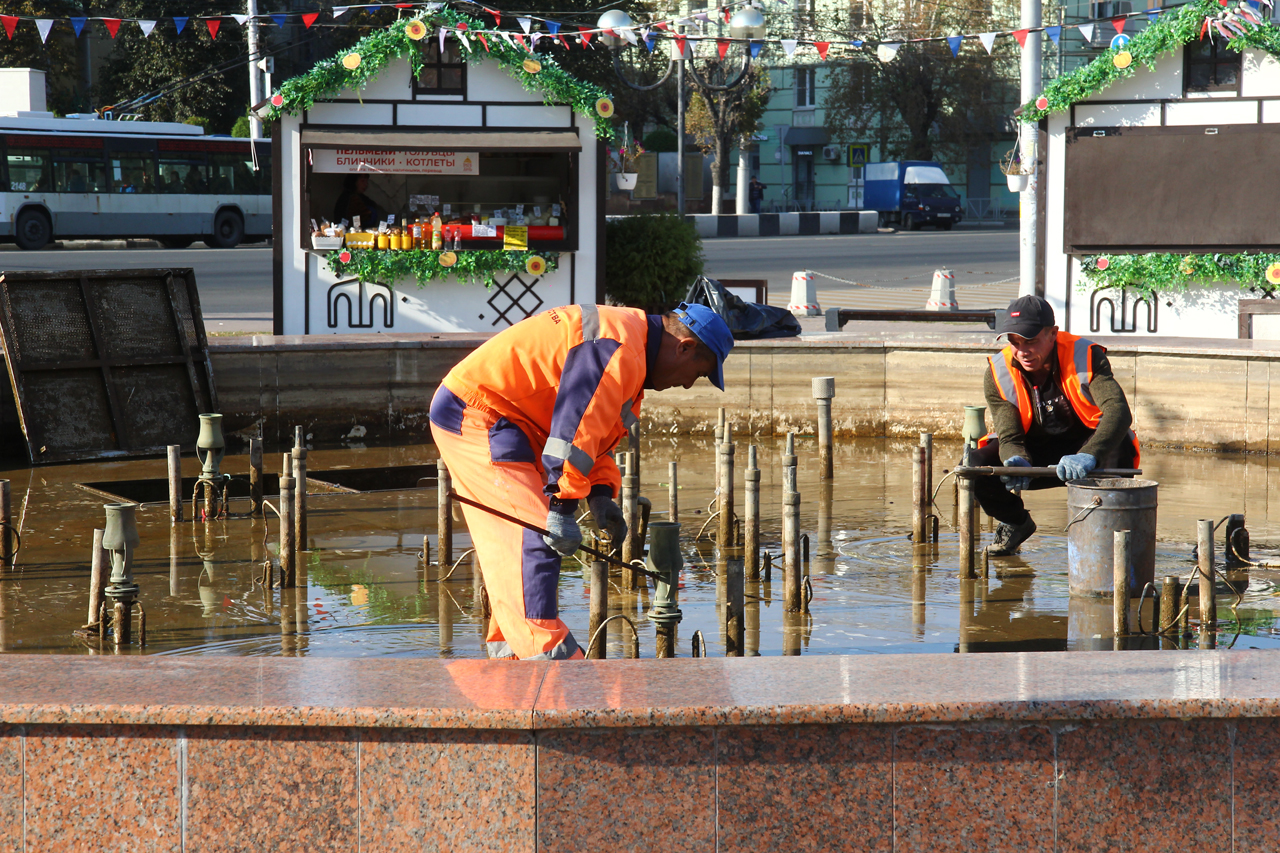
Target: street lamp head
x,y
614,19
747,23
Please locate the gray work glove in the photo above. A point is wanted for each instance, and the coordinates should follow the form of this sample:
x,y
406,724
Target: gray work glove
x,y
1076,466
608,516
565,535
1012,483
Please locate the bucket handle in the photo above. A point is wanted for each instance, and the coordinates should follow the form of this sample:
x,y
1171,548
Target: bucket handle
x,y
1097,502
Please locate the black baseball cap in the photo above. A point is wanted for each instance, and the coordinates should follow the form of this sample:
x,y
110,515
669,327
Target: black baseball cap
x,y
1026,317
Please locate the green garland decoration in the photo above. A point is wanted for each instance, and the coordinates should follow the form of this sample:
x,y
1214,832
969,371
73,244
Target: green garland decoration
x,y
1169,32
388,267
330,77
1162,272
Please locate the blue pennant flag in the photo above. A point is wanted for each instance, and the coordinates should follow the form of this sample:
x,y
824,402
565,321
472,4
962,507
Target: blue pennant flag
x,y
755,49
648,41
179,23
1054,33
954,43
280,20
856,43
553,27
1153,15
78,24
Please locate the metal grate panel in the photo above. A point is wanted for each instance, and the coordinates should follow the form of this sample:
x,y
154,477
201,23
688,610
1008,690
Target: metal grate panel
x,y
105,362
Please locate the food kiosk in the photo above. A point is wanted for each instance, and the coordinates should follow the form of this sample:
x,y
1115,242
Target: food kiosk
x,y
435,178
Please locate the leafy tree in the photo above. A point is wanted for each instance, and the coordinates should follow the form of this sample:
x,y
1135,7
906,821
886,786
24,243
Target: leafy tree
x,y
60,58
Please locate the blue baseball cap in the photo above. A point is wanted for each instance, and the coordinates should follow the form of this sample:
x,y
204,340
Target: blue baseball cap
x,y
712,330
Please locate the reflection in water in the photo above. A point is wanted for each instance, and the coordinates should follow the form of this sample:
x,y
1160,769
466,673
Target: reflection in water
x,y
364,590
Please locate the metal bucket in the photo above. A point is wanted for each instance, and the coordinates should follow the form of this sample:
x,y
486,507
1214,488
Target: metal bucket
x,y
1096,509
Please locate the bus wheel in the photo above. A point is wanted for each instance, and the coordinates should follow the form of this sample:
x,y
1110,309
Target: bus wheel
x,y
176,242
228,230
32,230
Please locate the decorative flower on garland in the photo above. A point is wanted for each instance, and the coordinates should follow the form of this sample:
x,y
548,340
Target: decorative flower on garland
x,y
535,265
351,61
427,266
604,107
415,30
1273,273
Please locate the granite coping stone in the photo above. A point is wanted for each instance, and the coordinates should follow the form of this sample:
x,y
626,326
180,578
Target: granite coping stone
x,y
895,689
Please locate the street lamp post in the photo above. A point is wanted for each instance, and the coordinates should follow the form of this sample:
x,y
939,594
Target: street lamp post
x,y
746,23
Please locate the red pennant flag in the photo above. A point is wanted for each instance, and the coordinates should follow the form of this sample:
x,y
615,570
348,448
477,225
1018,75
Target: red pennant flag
x,y
1021,36
1118,23
680,40
663,25
608,32
10,24
586,36
213,24
1204,28
822,47
728,13
112,25
564,41
723,46
461,26
497,16
483,41
518,37
310,18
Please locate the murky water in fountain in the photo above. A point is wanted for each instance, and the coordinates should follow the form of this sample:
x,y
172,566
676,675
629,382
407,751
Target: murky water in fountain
x,y
367,595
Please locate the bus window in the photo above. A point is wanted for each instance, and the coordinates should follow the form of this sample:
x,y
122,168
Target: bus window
x,y
28,170
233,173
132,172
73,172
264,170
182,176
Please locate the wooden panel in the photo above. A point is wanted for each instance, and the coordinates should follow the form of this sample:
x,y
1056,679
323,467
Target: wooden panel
x,y
1131,189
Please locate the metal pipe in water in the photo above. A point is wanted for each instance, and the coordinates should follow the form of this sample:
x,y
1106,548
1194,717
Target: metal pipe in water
x,y
824,389
1120,559
964,526
255,477
288,544
1208,603
599,606
666,560
917,497
444,517
673,495
633,445
931,520
725,462
630,514
300,495
735,592
792,567
1170,593
97,576
751,548
175,483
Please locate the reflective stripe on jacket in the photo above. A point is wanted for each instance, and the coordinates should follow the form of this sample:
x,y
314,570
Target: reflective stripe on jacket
x,y
572,379
1075,372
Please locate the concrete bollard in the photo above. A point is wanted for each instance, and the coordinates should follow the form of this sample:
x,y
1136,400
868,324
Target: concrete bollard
x,y
288,533
824,390
175,483
942,296
444,516
1120,559
255,477
1208,602
751,547
804,295
300,496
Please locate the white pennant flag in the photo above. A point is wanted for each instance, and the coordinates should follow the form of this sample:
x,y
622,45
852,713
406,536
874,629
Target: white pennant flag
x,y
44,25
506,36
988,40
146,27
463,38
533,40
789,45
1086,30
339,11
629,34
525,24
675,48
887,51
240,19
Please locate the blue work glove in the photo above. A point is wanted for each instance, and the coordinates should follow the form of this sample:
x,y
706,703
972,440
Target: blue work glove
x,y
565,535
1012,483
1075,466
609,518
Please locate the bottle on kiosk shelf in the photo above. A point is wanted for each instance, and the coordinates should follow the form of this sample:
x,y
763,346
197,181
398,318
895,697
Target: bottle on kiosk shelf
x,y
437,228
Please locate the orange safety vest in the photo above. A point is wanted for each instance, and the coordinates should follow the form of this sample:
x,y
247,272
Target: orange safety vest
x,y
1075,372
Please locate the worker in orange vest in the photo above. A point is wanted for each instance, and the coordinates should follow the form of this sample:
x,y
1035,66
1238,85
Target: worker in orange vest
x,y
1053,402
527,425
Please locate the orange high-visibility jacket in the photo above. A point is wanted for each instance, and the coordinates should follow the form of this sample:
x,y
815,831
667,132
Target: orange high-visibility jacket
x,y
572,379
1075,371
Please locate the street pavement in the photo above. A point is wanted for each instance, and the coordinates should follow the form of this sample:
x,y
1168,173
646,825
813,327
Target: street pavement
x,y
853,271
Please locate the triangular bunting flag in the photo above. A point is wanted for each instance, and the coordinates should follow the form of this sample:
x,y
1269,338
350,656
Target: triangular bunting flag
x,y
954,43
213,24
663,25
856,43
146,27
463,40
680,43
309,18
887,51
441,38
823,47
484,41
1153,15
728,13
755,49
553,27
1021,37
533,40
1054,32
520,39
702,16
44,25
585,35
1118,23
988,40
280,20
112,25
339,11
564,41
647,35
10,24
240,19
497,16
628,33
1086,30
525,24
77,24
788,45
179,23
722,45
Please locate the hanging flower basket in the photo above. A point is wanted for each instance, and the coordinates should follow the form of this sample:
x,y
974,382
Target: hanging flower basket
x,y
1017,182
626,180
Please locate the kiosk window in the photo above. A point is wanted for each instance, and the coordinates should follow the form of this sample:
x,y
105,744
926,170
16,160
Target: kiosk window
x,y
442,73
1211,66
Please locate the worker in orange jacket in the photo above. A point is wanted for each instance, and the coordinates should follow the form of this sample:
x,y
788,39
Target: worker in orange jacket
x,y
527,425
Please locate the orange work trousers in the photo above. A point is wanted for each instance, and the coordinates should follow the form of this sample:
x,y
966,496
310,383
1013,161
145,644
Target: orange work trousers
x,y
493,463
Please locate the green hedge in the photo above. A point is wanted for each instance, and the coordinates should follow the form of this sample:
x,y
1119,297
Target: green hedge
x,y
650,260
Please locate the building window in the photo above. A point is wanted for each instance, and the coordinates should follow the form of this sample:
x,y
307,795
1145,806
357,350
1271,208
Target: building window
x,y
805,84
1210,66
858,15
443,73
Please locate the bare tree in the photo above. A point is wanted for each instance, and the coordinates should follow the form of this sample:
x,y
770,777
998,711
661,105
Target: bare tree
x,y
719,119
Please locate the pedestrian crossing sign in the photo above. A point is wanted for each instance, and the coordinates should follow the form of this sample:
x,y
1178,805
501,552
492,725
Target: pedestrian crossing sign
x,y
858,153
